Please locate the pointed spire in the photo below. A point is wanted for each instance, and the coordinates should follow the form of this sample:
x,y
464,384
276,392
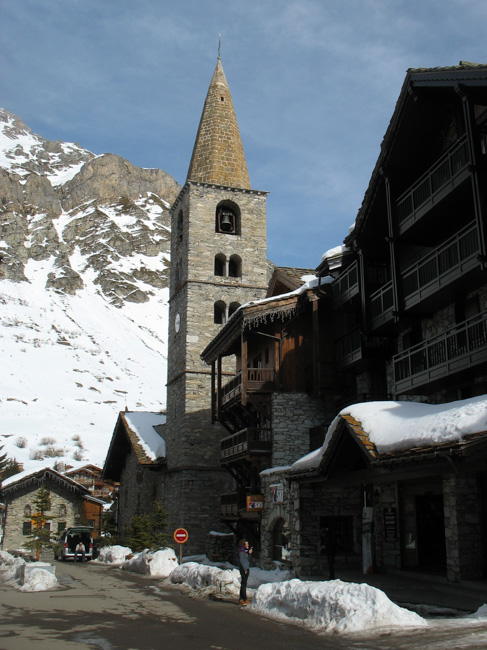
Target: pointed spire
x,y
218,155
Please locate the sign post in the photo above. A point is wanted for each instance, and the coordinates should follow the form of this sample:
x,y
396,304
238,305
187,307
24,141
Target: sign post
x,y
181,537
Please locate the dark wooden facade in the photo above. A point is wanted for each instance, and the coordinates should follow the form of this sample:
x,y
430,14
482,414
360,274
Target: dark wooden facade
x,y
274,344
409,307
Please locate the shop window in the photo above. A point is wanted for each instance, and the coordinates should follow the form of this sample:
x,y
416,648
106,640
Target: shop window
x,y
342,528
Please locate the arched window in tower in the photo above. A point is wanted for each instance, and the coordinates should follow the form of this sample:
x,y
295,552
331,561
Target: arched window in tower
x,y
180,226
227,218
220,264
235,267
177,274
233,308
219,314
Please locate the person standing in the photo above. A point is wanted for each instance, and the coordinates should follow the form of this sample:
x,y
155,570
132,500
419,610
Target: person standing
x,y
244,552
330,548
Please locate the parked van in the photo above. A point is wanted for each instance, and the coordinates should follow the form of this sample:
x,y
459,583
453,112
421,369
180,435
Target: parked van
x,y
69,538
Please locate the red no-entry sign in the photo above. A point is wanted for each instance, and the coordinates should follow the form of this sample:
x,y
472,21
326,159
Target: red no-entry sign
x,y
181,535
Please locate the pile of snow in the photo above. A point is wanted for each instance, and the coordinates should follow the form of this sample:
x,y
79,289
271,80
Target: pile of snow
x,y
152,563
38,578
113,555
200,576
332,606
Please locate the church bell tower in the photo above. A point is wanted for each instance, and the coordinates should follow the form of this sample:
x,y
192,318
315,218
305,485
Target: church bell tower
x,y
218,262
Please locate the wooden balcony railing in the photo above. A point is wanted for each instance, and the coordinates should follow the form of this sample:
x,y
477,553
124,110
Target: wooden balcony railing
x,y
346,285
245,443
353,347
441,266
258,380
439,178
456,349
382,305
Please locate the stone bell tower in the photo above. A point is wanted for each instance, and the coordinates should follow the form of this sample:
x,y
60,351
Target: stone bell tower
x,y
218,262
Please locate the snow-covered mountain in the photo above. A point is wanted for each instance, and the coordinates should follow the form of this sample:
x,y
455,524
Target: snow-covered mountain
x,y
84,257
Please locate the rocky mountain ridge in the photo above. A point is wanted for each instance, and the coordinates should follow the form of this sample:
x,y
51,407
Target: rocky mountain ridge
x,y
57,198
84,265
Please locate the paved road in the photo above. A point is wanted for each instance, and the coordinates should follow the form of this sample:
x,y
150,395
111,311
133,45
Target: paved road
x,y
103,607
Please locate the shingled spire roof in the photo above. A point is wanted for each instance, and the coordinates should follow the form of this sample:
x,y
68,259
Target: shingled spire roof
x,y
218,155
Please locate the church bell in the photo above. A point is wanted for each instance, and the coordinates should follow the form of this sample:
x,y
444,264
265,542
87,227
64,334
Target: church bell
x,y
226,221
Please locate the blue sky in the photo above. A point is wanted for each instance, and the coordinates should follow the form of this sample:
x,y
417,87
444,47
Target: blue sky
x,y
314,84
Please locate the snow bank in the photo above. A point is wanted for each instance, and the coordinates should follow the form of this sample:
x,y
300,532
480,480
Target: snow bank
x,y
199,576
154,563
113,555
332,606
11,567
36,579
39,580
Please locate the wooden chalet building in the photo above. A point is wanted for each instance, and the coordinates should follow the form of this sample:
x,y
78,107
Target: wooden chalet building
x,y
408,322
410,297
269,403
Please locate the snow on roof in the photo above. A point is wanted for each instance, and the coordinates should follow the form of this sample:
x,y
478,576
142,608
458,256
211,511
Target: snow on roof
x,y
142,424
399,426
26,474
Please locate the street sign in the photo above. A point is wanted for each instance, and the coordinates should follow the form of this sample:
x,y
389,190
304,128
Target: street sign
x,y
181,535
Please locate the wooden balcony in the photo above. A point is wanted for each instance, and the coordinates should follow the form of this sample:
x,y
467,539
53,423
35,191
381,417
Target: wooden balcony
x,y
457,349
353,348
382,305
454,258
446,174
259,380
346,286
245,443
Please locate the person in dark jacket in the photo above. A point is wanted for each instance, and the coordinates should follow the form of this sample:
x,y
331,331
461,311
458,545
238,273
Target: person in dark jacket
x,y
329,547
244,567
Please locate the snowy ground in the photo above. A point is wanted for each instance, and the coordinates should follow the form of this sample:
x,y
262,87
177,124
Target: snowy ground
x,y
325,607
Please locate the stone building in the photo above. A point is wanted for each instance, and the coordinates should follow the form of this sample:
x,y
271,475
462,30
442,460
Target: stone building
x,y
134,462
218,262
18,493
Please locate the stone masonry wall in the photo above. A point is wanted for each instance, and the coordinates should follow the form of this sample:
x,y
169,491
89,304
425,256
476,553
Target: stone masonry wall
x,y
140,488
463,532
16,515
293,414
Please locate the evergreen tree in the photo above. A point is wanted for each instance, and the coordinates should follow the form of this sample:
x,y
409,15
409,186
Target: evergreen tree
x,y
149,530
109,530
3,463
40,536
10,469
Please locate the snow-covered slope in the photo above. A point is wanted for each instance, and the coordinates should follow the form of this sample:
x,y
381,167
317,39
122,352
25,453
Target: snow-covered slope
x,y
83,296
